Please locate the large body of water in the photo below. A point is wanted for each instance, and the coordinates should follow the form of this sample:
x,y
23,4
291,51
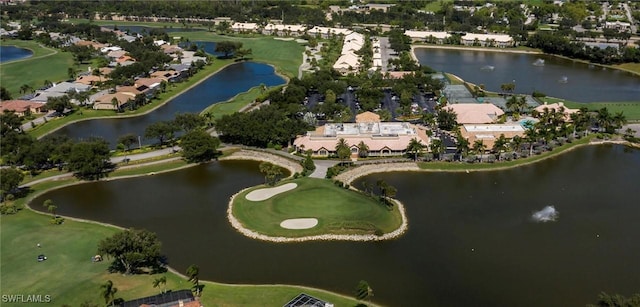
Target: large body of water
x,y
10,53
471,239
230,81
583,83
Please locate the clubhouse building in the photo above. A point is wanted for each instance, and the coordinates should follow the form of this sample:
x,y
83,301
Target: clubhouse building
x,y
383,139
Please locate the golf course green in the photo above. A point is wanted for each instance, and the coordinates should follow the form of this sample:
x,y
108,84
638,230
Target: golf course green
x,y
338,211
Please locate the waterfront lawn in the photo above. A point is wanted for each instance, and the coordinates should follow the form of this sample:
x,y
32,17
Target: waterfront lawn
x,y
286,56
234,104
338,210
70,277
45,64
630,109
632,67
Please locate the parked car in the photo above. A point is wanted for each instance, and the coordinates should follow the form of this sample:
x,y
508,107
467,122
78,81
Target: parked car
x,y
41,258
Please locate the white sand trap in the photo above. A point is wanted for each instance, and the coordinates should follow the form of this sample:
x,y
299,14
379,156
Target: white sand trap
x,y
286,39
305,223
301,41
264,194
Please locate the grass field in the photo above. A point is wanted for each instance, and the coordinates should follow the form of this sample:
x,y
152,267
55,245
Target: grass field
x,y
286,56
45,64
70,277
631,109
234,104
632,67
338,210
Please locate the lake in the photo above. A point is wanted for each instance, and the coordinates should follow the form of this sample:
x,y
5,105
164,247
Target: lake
x,y
471,238
558,77
11,53
222,86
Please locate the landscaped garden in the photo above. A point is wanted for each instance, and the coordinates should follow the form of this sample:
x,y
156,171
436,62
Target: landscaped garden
x,y
337,210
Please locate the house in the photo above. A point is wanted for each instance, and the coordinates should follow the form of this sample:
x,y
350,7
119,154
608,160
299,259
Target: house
x,y
475,113
283,30
115,101
60,89
166,75
487,40
347,63
92,44
21,107
382,138
325,32
397,74
148,86
91,79
427,36
556,107
125,58
377,6
618,25
244,27
114,54
180,298
489,133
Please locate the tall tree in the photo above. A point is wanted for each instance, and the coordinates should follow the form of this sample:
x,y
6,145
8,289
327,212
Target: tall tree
x,y
162,130
10,179
342,150
499,145
415,148
363,290
132,250
4,94
479,147
192,272
462,145
89,160
109,292
227,47
127,140
437,148
447,119
188,121
160,282
199,146
363,150
271,172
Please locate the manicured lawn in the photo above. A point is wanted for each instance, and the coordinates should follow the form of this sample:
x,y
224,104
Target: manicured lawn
x,y
632,67
630,109
286,56
46,64
338,210
234,104
70,277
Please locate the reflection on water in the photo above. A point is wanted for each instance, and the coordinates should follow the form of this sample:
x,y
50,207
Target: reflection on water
x,y
586,84
547,214
470,242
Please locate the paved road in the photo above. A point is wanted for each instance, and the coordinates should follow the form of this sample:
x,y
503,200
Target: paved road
x,y
321,168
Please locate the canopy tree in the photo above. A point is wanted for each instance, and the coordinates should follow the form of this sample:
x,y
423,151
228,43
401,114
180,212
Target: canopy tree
x,y
89,160
133,250
10,179
199,146
227,47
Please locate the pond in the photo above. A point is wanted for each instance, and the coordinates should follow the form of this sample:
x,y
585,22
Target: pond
x,y
554,76
471,238
225,84
11,53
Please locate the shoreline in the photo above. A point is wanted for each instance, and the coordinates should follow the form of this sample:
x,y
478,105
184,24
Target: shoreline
x,y
145,112
368,169
506,50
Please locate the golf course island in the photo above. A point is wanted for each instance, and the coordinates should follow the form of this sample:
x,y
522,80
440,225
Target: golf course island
x,y
306,209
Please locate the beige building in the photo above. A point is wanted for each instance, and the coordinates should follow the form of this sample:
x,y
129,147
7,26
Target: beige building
x,y
382,138
475,113
557,107
489,133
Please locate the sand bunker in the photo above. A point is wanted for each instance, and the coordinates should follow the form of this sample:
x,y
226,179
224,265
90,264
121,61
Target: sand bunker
x,y
283,38
264,194
305,223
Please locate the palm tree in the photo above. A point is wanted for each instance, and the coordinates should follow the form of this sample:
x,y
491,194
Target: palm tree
x,y
531,136
604,120
437,148
192,272
415,147
363,150
479,147
499,145
25,88
342,150
619,120
462,145
160,281
516,142
50,206
109,292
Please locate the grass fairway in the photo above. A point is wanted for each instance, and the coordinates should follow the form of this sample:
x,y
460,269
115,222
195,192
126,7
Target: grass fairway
x,y
338,210
234,104
70,277
45,64
630,109
631,67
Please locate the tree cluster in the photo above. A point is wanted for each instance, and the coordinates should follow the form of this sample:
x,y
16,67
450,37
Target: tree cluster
x,y
133,251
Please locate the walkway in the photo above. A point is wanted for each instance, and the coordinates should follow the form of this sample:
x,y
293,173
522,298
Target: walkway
x,y
321,168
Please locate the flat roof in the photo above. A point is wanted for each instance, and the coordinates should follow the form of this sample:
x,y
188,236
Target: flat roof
x,y
493,128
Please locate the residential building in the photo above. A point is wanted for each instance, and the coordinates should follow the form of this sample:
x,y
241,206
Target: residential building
x,y
427,36
58,90
21,107
618,25
244,27
487,40
115,101
382,138
91,79
283,30
325,32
